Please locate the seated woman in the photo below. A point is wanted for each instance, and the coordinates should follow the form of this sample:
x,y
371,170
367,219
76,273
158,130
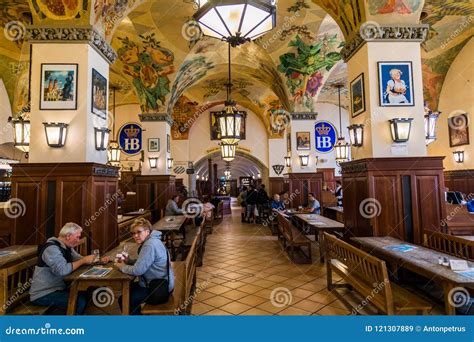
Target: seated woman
x,y
207,208
153,263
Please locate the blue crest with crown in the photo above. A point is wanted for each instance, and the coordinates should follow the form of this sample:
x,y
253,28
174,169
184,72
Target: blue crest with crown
x,y
325,136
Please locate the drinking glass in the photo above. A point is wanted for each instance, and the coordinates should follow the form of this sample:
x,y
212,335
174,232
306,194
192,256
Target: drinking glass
x,y
96,254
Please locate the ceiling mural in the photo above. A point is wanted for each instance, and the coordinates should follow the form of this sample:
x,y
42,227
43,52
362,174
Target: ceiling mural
x,y
60,9
394,6
183,112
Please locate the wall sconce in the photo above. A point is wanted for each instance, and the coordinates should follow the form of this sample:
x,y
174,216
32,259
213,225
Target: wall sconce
x,y
169,163
400,128
316,160
356,134
288,161
431,119
114,152
207,178
153,162
101,138
21,129
304,160
56,133
259,175
458,156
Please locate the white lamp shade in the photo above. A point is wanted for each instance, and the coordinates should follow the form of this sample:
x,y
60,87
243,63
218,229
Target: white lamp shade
x,y
230,122
114,152
342,150
228,151
304,160
430,126
21,129
169,163
56,133
356,134
288,161
400,129
458,156
153,162
101,138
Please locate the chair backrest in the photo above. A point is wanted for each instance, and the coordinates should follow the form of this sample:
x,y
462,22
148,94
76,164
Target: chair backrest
x,y
81,247
450,244
191,264
367,269
285,225
17,283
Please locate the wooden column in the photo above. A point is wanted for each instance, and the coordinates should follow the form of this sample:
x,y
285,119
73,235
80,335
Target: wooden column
x,y
209,167
153,192
54,194
399,197
214,179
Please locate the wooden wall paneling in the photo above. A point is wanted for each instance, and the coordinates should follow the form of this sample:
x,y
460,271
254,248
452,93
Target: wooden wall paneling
x,y
276,185
428,208
387,209
26,227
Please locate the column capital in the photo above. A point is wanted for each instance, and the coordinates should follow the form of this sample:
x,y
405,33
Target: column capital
x,y
304,116
372,32
48,34
150,117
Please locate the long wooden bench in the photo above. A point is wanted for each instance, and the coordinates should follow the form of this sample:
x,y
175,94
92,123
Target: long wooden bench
x,y
292,237
184,280
450,244
368,276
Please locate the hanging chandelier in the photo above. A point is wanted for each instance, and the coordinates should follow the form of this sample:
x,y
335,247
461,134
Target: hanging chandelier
x,y
341,147
113,152
228,151
236,21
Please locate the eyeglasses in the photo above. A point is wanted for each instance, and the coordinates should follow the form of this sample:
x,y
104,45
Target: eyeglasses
x,y
138,232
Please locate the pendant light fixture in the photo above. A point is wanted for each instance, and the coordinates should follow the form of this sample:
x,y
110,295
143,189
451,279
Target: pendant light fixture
x,y
341,147
236,21
114,147
228,151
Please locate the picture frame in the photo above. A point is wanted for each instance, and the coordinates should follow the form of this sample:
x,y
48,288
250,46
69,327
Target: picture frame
x,y
168,143
357,95
458,130
99,94
153,144
58,86
396,84
214,127
303,141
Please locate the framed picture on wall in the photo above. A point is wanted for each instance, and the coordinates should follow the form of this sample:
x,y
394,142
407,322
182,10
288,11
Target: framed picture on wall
x,y
58,86
99,94
168,143
358,95
395,84
154,145
458,130
214,123
303,141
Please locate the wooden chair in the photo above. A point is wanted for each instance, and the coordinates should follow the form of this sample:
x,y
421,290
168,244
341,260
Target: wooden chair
x,y
292,237
449,244
368,276
82,246
184,281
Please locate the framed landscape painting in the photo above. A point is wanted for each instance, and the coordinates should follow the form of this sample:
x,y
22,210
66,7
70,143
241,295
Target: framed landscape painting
x,y
58,87
458,130
303,141
395,84
99,94
154,145
358,95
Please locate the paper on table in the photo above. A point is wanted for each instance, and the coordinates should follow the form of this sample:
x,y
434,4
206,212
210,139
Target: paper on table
x,y
96,272
7,253
400,248
469,273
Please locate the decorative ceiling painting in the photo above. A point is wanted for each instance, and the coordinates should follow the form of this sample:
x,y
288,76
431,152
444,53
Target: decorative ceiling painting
x,y
60,9
394,6
183,112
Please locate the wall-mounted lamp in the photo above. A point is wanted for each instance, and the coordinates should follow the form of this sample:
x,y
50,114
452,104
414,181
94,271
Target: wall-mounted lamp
x,y
431,119
316,160
21,129
458,156
288,161
400,128
169,163
259,175
101,138
197,177
356,134
56,133
304,160
153,162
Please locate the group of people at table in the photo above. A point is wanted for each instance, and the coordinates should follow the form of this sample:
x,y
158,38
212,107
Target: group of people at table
x,y
57,259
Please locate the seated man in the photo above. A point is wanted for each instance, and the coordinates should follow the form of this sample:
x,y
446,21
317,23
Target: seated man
x,y
172,208
57,259
153,263
277,204
313,205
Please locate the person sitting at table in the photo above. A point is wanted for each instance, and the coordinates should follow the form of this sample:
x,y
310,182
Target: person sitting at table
x,y
153,263
277,204
313,205
57,259
207,208
172,208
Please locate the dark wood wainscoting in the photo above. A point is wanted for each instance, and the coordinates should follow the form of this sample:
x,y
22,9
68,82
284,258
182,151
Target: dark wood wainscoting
x,y
153,192
461,180
299,185
54,194
276,185
399,197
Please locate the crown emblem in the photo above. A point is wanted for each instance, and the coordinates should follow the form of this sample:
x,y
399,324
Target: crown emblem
x,y
323,130
131,132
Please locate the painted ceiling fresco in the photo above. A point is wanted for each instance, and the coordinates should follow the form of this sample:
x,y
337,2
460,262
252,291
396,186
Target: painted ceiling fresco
x,y
165,65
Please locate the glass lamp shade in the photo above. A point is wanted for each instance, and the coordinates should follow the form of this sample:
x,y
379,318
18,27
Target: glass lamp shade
x,y
114,152
288,161
430,126
228,151
236,21
342,150
400,128
458,156
21,129
356,134
230,122
101,138
153,162
304,160
56,133
169,163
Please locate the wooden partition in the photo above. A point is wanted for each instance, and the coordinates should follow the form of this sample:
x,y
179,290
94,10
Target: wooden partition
x,y
153,192
461,180
276,185
299,185
399,197
54,194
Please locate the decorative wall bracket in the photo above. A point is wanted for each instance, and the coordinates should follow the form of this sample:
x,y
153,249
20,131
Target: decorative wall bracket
x,y
148,117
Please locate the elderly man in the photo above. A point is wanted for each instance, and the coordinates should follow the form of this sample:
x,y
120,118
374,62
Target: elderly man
x,y
172,208
57,259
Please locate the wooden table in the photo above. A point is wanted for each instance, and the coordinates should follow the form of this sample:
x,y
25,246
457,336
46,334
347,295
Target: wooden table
x,y
321,225
137,213
421,260
335,213
466,237
169,226
114,280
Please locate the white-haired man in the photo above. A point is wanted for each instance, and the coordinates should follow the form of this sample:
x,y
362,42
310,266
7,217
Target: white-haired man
x,y
57,259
